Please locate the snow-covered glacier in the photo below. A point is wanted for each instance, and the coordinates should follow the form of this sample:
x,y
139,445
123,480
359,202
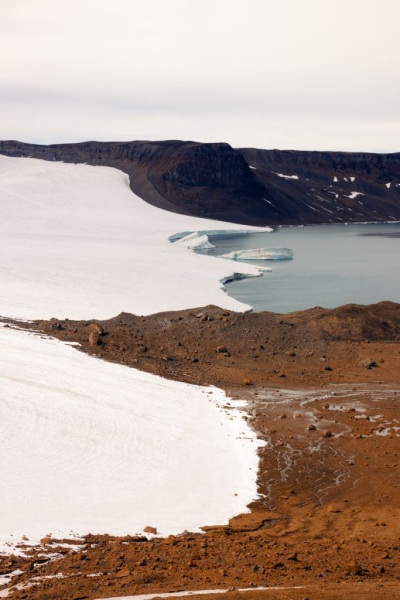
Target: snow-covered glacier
x,y
67,229
260,254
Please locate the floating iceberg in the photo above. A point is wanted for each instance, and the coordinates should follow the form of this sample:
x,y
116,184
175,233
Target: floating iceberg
x,y
260,254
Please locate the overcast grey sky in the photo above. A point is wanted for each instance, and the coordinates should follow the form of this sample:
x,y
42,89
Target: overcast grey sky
x,y
303,74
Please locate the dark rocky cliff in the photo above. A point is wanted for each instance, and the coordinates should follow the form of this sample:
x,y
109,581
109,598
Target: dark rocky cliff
x,y
247,185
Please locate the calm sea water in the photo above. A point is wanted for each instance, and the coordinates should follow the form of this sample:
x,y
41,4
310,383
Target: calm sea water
x,y
332,265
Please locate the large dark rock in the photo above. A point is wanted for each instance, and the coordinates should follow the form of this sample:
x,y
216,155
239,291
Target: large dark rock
x,y
248,185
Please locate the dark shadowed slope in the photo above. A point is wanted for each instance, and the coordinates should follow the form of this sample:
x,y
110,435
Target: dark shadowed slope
x,y
249,186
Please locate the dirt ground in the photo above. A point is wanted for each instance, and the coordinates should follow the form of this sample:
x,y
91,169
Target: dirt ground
x,y
323,391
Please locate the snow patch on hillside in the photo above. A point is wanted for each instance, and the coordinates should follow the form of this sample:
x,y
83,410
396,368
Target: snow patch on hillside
x,y
287,176
91,446
353,195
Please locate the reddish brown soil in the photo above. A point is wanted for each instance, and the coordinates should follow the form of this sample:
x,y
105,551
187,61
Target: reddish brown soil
x,y
328,516
210,345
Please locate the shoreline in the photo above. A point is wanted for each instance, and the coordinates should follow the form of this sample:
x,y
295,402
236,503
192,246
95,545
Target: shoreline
x,y
278,292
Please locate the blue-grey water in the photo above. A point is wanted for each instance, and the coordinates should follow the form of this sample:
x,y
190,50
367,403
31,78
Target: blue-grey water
x,y
332,265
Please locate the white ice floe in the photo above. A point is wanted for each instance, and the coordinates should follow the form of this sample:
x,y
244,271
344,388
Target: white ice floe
x,y
388,185
335,179
216,232
287,176
76,242
91,446
353,195
260,254
195,241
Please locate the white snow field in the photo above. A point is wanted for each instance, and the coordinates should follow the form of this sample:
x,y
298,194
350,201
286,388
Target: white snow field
x,y
76,242
90,446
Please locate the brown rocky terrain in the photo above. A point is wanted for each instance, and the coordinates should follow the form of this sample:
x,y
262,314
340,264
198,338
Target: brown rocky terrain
x,y
323,391
245,185
209,345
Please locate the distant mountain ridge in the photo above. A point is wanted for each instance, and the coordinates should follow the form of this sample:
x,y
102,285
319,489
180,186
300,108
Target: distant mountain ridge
x,y
244,185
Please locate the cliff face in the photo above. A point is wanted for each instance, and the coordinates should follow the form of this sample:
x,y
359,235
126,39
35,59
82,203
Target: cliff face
x,y
336,186
247,185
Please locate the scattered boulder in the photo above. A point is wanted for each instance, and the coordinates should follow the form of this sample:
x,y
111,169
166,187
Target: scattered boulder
x,y
355,568
125,572
149,529
94,338
46,540
367,363
96,328
293,556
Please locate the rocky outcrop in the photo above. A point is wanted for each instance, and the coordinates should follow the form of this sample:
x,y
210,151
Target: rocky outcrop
x,y
249,186
354,322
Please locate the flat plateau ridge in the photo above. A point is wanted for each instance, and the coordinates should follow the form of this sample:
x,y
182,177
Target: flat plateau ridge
x,y
244,185
323,392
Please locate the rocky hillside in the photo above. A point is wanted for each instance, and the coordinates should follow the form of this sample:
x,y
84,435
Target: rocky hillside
x,y
245,185
210,345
